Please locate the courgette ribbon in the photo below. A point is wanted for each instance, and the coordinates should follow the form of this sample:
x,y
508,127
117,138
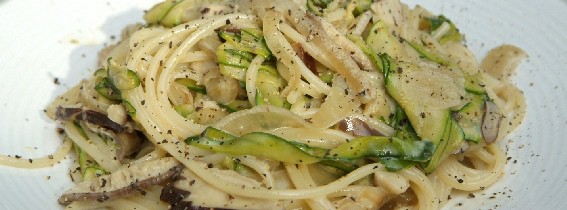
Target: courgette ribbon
x,y
393,152
112,80
88,167
234,57
431,24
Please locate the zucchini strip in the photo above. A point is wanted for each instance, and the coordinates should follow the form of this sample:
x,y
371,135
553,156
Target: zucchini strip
x,y
393,152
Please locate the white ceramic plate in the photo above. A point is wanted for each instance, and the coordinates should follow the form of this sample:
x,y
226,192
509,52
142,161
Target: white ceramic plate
x,y
41,41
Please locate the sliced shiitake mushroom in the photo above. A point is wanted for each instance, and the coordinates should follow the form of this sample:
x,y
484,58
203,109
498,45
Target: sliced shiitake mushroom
x,y
357,127
127,140
491,122
90,116
192,193
124,182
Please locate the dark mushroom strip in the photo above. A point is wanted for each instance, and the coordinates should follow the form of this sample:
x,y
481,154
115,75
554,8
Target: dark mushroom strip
x,y
128,144
101,119
65,114
89,116
192,193
491,122
305,57
357,127
124,182
175,197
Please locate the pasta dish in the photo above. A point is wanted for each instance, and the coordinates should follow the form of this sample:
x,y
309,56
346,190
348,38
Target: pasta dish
x,y
303,104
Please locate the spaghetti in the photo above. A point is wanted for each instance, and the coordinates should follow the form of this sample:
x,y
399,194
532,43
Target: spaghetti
x,y
288,105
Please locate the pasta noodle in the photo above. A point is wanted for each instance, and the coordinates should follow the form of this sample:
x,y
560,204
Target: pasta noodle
x,y
290,105
50,160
